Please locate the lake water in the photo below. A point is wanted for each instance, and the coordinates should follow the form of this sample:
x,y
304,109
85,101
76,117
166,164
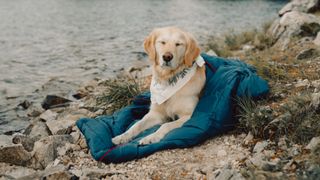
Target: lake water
x,y
77,40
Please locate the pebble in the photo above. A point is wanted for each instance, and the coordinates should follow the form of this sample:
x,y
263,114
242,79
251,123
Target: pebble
x,y
314,143
248,138
259,147
302,83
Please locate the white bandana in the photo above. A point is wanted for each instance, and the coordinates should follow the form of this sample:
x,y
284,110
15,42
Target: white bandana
x,y
162,92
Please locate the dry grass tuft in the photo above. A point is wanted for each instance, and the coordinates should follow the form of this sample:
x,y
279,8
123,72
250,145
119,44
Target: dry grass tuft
x,y
120,92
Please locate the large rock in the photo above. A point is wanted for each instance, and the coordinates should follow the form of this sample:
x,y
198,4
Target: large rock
x,y
53,101
64,123
301,5
14,172
45,150
15,154
37,130
61,126
293,24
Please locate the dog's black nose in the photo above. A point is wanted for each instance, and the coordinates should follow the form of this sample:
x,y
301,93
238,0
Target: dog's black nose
x,y
167,57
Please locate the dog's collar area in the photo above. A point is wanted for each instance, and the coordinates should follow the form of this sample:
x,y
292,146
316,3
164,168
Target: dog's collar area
x,y
162,92
180,75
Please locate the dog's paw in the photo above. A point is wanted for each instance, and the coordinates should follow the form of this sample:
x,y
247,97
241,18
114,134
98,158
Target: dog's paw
x,y
121,139
153,138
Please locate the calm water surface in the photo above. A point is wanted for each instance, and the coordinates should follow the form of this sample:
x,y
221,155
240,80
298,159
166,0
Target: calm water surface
x,y
77,40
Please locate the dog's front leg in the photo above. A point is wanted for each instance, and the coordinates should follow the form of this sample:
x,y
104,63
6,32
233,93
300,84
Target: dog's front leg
x,y
150,119
163,130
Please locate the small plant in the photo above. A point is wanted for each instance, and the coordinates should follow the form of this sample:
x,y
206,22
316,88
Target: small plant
x,y
252,117
235,41
119,93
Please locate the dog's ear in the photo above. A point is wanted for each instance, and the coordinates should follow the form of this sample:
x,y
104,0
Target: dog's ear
x,y
149,45
192,50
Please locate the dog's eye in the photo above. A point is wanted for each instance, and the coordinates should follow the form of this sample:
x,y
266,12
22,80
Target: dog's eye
x,y
178,44
162,42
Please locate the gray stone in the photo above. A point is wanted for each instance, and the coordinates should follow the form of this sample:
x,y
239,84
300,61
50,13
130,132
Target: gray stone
x,y
45,150
314,143
61,126
38,130
259,147
15,154
300,5
64,124
307,54
15,171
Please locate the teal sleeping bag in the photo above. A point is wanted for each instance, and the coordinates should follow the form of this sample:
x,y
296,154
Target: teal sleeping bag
x,y
225,80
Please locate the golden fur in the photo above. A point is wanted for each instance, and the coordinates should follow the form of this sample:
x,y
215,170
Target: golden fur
x,y
184,50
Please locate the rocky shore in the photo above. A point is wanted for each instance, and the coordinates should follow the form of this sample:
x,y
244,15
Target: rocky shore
x,y
277,138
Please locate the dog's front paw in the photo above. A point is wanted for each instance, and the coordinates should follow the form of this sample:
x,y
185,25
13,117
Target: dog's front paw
x,y
121,139
152,138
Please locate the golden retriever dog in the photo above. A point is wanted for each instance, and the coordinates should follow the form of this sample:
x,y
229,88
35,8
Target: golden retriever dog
x,y
173,53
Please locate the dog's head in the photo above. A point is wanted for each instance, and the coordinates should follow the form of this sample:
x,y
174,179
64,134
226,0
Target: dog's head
x,y
170,47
